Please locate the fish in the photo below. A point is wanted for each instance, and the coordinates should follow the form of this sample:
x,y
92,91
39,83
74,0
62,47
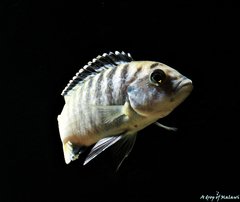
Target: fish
x,y
112,98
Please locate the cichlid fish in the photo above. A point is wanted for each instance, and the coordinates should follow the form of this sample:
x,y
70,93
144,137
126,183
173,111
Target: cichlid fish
x,y
113,97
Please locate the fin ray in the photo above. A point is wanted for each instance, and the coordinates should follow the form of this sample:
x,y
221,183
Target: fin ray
x,y
123,148
95,66
100,146
110,112
165,127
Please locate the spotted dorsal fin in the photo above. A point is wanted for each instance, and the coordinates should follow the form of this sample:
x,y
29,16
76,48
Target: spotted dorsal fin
x,y
95,66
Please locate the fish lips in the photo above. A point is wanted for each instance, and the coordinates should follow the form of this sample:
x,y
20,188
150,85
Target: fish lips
x,y
184,84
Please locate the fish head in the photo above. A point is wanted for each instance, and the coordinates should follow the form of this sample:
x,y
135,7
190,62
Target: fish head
x,y
158,90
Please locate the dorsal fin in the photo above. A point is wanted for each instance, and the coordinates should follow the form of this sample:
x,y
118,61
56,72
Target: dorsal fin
x,y
95,66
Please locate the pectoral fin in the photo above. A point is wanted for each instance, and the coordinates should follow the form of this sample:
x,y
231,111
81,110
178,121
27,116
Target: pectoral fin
x,y
111,112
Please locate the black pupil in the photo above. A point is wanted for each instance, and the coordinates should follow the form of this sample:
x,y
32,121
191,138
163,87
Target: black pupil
x,y
158,75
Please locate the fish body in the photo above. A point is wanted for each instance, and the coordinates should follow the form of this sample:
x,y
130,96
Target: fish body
x,y
112,98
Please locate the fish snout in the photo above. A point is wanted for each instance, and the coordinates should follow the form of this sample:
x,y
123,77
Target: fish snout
x,y
184,82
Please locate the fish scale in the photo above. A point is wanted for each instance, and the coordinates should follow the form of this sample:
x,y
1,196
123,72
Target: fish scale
x,y
113,97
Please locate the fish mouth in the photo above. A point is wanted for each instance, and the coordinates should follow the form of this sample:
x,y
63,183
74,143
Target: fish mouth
x,y
183,83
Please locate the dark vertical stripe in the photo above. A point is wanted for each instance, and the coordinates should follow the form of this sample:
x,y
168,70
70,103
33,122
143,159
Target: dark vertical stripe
x,y
89,114
124,83
139,69
98,88
124,72
110,82
88,89
154,65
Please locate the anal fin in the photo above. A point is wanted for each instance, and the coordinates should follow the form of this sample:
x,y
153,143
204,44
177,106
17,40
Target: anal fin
x,y
71,151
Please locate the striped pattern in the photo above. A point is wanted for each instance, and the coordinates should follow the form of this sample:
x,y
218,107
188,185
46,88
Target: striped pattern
x,y
108,87
154,65
113,96
95,66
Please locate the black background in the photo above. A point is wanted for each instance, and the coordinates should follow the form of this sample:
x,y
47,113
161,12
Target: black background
x,y
48,42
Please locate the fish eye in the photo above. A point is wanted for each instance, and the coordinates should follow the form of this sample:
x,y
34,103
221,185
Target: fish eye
x,y
158,76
